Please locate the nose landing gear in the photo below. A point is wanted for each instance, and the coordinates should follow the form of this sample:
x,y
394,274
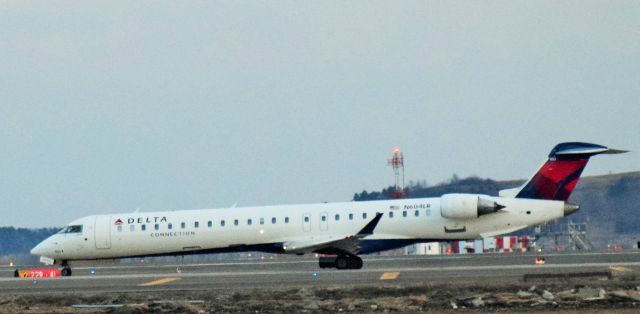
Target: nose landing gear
x,y
66,270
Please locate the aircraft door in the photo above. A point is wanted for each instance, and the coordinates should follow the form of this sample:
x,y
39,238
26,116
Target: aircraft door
x,y
306,222
102,232
324,221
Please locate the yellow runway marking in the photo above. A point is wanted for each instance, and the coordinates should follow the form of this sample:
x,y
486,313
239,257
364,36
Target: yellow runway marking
x,y
158,282
389,276
620,269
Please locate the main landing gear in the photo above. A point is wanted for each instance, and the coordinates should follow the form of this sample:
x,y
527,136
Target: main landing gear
x,y
342,261
66,270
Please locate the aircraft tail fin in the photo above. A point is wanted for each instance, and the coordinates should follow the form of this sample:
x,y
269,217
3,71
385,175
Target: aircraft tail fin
x,y
559,175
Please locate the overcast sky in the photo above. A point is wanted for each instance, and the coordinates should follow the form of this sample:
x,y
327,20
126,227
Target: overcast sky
x,y
111,106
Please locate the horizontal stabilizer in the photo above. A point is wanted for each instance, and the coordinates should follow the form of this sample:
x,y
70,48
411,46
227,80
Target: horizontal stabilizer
x,y
615,151
577,150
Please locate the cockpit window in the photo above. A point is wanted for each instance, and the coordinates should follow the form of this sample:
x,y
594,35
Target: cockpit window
x,y
71,229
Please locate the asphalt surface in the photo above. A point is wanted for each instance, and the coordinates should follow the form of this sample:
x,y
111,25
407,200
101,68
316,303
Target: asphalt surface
x,y
297,272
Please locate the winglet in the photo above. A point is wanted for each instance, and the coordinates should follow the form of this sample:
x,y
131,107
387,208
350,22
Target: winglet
x,y
368,229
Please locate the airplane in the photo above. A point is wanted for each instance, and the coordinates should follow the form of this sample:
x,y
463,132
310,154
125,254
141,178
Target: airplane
x,y
341,231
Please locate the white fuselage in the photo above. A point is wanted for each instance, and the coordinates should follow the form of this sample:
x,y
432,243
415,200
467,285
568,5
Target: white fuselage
x,y
189,231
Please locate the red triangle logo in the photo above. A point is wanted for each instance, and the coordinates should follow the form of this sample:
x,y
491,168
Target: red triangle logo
x,y
118,221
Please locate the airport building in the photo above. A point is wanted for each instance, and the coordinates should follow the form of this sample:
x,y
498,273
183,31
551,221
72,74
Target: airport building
x,y
503,244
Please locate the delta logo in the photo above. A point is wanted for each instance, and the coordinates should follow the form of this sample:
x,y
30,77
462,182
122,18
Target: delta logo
x,y
118,221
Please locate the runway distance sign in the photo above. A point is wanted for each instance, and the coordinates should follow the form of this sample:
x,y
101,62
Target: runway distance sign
x,y
38,273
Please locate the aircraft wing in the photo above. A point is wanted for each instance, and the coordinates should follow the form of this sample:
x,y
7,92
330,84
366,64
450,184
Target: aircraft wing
x,y
333,244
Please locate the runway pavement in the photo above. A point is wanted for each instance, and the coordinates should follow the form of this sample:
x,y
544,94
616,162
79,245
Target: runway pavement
x,y
297,272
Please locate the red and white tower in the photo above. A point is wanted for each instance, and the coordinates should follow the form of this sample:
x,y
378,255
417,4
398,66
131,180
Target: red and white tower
x,y
397,163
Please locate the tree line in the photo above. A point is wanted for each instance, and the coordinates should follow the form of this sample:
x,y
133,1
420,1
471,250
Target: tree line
x,y
421,189
22,240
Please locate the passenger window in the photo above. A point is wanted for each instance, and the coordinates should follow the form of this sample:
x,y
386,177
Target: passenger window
x,y
286,220
119,228
350,216
196,224
132,228
324,218
364,215
390,214
337,217
169,226
209,223
273,220
249,221
156,227
183,225
404,213
235,222
417,213
262,221
306,218
143,227
222,223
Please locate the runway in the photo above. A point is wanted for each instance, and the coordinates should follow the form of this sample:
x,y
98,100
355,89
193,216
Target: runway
x,y
299,272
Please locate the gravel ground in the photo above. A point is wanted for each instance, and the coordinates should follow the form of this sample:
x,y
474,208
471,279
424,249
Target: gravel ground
x,y
595,296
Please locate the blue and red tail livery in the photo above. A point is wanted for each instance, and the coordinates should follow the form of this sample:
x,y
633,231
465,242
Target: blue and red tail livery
x,y
557,178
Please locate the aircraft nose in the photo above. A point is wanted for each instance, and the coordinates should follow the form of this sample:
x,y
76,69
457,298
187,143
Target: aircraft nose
x,y
39,249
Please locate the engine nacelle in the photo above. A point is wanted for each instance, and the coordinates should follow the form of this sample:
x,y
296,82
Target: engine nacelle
x,y
463,206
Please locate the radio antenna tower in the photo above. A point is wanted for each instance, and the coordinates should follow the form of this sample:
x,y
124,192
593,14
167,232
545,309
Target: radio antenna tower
x,y
397,163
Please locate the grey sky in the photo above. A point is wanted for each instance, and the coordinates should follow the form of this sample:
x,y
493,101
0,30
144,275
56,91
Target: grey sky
x,y
110,106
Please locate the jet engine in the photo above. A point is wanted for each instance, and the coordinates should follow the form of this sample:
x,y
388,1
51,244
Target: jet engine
x,y
462,206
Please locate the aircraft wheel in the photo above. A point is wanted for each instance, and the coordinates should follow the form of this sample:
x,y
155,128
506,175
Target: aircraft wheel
x,y
342,262
66,272
355,262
